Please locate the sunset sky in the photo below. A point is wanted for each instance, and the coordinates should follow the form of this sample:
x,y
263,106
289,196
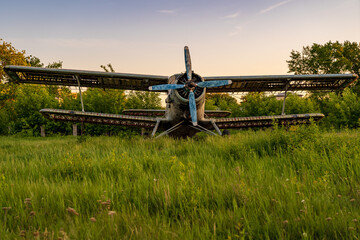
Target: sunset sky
x,y
227,37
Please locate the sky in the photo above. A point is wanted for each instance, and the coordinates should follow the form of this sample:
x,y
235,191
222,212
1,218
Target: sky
x,y
225,37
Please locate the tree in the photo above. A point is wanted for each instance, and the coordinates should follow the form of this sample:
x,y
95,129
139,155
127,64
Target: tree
x,y
341,110
10,56
20,104
141,99
258,104
332,57
222,101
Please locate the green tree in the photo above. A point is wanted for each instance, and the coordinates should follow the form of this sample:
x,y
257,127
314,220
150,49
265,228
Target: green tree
x,y
143,100
332,57
9,55
222,101
296,105
24,110
341,110
258,104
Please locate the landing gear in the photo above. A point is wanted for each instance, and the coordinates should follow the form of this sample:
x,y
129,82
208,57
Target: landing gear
x,y
225,133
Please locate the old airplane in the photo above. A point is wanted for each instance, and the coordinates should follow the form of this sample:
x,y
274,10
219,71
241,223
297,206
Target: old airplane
x,y
185,113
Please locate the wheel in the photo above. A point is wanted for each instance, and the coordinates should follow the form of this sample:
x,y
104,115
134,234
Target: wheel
x,y
225,132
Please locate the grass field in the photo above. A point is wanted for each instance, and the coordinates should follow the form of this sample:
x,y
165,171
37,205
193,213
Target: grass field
x,y
295,184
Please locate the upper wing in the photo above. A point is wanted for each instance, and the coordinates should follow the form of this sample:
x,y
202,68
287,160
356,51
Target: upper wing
x,y
68,77
268,83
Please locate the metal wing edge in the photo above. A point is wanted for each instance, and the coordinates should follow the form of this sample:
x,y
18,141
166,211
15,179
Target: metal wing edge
x,y
284,77
13,68
267,121
99,118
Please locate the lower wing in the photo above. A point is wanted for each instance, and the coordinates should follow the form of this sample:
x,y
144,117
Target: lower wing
x,y
100,118
161,113
263,121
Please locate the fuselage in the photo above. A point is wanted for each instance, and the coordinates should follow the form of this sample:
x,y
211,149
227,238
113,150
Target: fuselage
x,y
177,107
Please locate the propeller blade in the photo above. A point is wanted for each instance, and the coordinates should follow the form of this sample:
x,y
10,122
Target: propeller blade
x,y
192,106
217,83
188,63
166,87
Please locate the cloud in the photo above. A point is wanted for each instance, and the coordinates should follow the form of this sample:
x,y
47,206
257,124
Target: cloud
x,y
231,16
274,6
167,11
237,30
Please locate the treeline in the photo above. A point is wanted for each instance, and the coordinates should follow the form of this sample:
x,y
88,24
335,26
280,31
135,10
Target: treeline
x,y
19,113
20,104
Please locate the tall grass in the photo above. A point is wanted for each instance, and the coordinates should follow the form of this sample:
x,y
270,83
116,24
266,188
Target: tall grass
x,y
301,183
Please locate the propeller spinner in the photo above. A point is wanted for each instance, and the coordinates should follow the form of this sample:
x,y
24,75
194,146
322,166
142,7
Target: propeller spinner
x,y
190,85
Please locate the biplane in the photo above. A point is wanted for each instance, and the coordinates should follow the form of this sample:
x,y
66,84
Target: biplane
x,y
185,113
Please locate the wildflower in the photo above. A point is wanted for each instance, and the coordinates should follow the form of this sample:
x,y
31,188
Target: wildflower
x,y
339,196
6,209
297,219
36,234
27,201
328,219
298,193
111,213
305,234
93,219
72,211
285,222
354,220
32,213
352,200
303,201
22,233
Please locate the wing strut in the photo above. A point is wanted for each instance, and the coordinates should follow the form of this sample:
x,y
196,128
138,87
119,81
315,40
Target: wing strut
x,y
173,128
81,99
155,128
285,95
203,129
82,103
216,127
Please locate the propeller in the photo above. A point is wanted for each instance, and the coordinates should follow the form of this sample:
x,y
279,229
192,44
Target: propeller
x,y
166,87
190,85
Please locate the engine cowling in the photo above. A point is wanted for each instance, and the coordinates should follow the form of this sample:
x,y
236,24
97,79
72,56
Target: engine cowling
x,y
183,93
